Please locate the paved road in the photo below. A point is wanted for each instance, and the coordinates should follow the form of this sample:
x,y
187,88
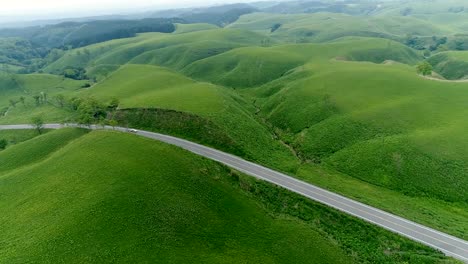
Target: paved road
x,y
448,244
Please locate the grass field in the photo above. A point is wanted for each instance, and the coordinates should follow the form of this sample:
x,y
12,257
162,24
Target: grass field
x,y
103,197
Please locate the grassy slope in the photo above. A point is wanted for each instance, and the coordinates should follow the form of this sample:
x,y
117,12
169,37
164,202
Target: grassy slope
x,y
155,87
452,65
30,152
151,86
386,126
103,198
14,137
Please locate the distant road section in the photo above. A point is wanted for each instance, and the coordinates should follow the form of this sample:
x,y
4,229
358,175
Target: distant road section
x,y
448,244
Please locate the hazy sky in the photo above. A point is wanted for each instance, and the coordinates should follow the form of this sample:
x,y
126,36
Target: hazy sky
x,y
48,7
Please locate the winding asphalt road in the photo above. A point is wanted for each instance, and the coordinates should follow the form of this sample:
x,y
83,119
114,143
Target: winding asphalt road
x,y
448,244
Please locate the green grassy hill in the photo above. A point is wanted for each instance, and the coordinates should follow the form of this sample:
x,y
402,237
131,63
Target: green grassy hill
x,y
392,136
155,87
145,86
14,137
452,65
387,126
107,197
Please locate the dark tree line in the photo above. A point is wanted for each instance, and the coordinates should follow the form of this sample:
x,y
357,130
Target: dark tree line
x,y
79,34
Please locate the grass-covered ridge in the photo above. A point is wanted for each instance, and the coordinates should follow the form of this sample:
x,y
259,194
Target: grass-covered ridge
x,y
135,205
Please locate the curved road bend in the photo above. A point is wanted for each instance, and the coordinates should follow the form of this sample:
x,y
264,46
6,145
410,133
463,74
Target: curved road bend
x,y
450,245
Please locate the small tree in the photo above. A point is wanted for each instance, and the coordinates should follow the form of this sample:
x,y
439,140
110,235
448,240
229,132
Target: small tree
x,y
114,104
3,144
85,119
425,68
38,124
113,123
22,100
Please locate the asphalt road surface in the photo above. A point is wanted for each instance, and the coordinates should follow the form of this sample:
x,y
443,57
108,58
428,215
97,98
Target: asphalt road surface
x,y
448,244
